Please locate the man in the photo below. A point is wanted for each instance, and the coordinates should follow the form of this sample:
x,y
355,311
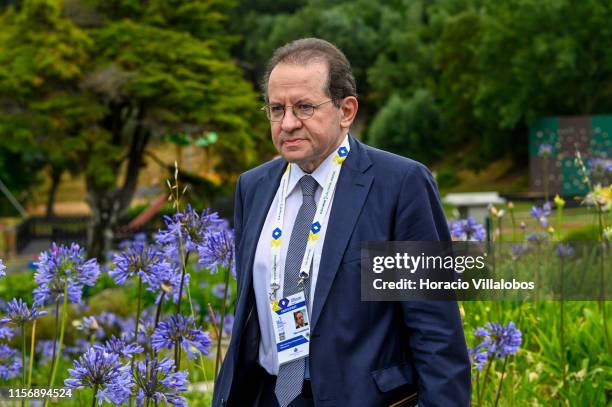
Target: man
x,y
360,353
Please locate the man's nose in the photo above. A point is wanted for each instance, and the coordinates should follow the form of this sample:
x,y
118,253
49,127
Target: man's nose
x,y
290,122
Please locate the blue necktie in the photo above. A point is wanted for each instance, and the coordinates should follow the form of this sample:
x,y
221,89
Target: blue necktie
x,y
291,375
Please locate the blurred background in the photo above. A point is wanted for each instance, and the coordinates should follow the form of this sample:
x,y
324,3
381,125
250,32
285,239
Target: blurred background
x,y
508,102
98,99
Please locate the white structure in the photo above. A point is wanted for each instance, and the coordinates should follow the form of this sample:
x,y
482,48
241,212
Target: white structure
x,y
474,204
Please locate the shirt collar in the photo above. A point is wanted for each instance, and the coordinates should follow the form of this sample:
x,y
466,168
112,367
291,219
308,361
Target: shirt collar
x,y
319,174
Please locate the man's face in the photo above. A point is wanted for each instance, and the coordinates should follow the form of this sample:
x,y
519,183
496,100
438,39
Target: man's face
x,y
305,142
299,319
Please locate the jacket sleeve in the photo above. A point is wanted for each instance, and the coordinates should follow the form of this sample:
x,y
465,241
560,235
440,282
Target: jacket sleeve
x,y
436,341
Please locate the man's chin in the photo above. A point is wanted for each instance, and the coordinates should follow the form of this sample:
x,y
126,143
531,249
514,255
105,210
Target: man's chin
x,y
295,157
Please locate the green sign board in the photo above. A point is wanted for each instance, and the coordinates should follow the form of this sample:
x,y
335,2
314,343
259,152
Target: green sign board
x,y
553,145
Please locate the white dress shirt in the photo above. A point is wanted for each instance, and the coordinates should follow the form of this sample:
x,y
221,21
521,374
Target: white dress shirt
x,y
268,357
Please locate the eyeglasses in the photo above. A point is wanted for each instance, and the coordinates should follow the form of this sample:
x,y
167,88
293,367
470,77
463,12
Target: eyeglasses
x,y
302,111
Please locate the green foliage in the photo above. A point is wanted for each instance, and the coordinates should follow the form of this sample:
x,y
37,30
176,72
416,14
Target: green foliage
x,y
84,85
17,285
409,127
585,233
446,178
534,374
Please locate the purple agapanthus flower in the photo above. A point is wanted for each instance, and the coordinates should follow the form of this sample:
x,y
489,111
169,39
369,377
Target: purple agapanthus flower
x,y
536,237
541,213
108,319
90,326
505,340
121,347
600,166
44,349
145,261
479,355
139,239
103,370
10,362
184,330
157,381
18,312
219,290
564,250
228,324
62,267
467,229
188,226
170,282
497,342
2,269
218,251
545,150
146,327
6,332
518,250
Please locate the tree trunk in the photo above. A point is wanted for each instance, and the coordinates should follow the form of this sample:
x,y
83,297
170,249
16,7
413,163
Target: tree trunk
x,y
109,202
56,175
104,217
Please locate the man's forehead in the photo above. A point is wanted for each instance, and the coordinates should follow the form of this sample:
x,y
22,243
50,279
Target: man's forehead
x,y
286,77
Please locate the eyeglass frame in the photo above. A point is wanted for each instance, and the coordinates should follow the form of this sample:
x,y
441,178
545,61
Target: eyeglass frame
x,y
314,109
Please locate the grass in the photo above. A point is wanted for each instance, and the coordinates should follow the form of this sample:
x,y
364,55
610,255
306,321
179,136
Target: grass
x,y
535,373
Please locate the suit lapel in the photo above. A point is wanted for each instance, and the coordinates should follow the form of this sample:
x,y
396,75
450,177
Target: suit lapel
x,y
265,189
351,192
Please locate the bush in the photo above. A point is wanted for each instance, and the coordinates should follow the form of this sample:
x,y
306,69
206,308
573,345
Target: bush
x,y
409,127
446,178
590,232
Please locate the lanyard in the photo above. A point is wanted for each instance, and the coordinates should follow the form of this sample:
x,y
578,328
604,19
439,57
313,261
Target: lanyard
x,y
322,208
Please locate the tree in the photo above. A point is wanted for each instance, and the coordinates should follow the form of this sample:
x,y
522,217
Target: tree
x,y
109,76
411,127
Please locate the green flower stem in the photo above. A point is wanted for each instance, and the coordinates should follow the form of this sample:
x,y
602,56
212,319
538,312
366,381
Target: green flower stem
x,y
213,318
185,258
193,316
485,381
513,219
222,320
95,391
177,354
559,220
23,353
477,384
138,305
55,333
602,303
159,308
61,338
562,328
33,342
501,380
137,312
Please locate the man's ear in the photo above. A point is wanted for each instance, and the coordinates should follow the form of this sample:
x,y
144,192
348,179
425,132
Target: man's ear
x,y
348,111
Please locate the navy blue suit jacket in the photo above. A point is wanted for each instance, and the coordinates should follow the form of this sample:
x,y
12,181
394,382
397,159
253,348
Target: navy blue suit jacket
x,y
361,353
